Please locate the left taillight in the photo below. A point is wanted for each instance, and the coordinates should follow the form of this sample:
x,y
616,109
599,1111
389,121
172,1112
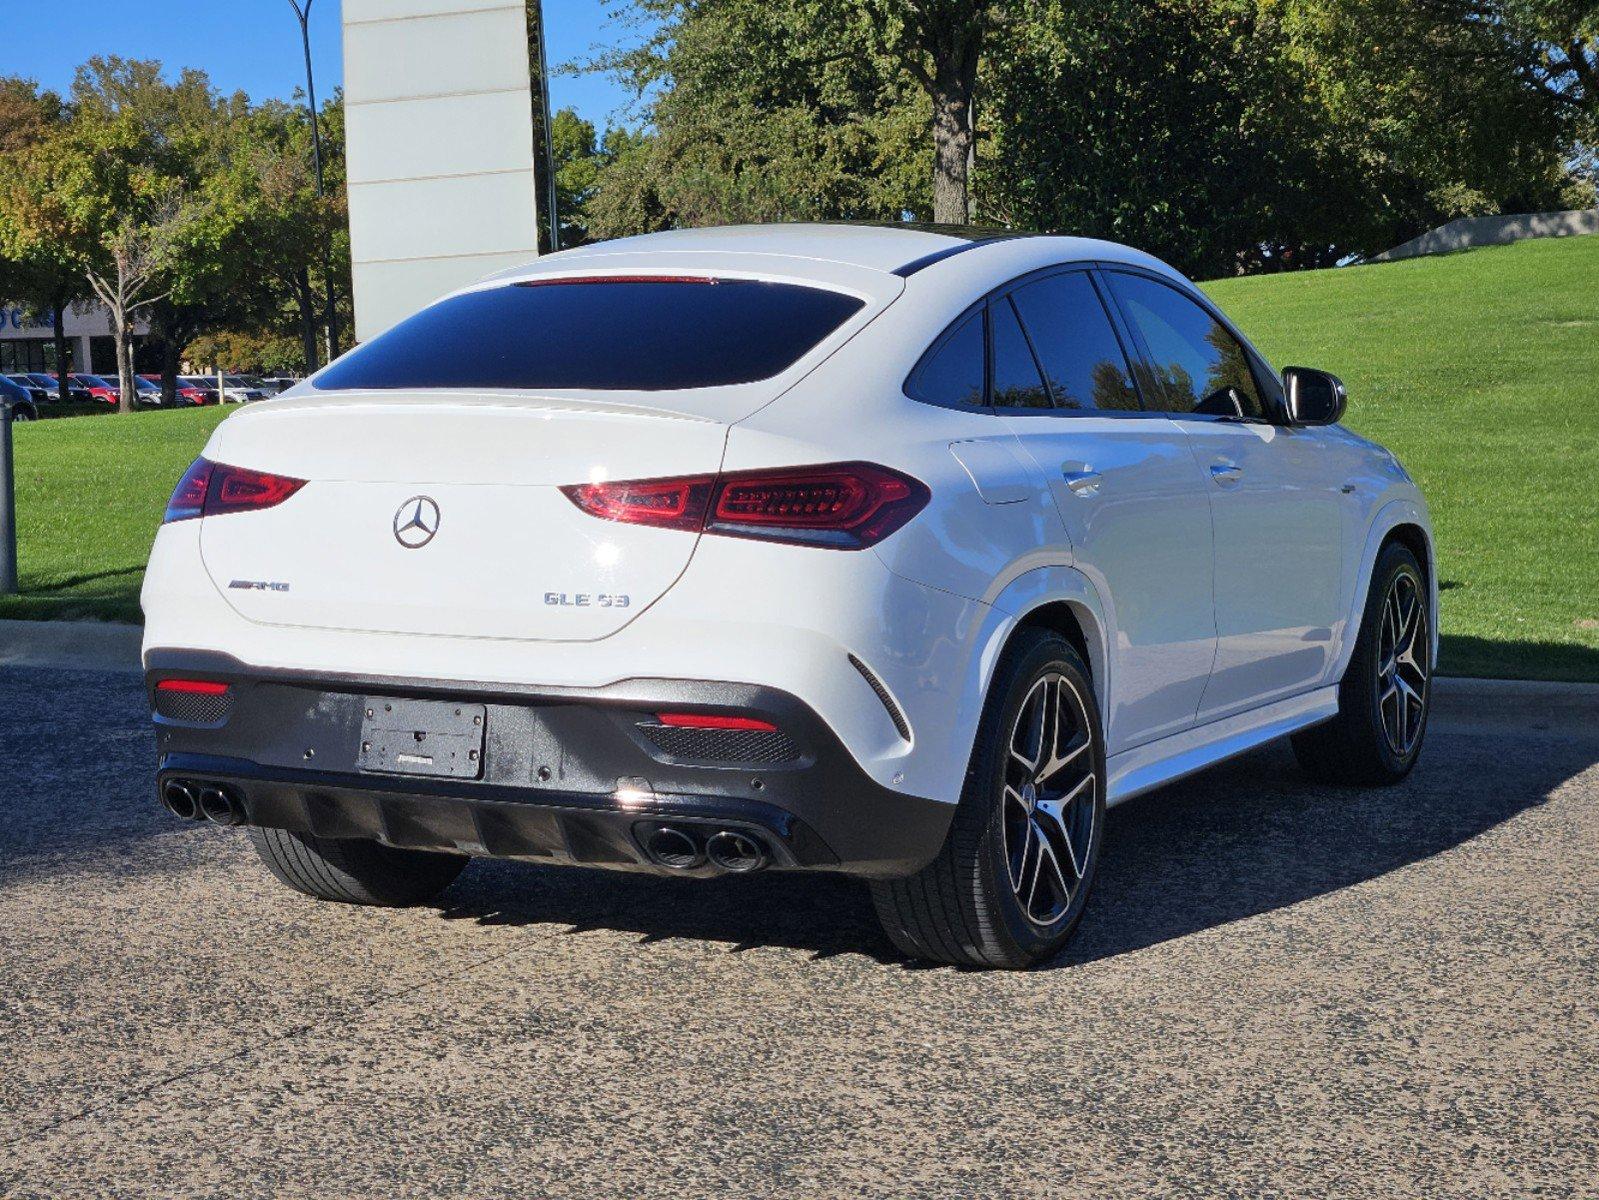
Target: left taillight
x,y
841,506
210,489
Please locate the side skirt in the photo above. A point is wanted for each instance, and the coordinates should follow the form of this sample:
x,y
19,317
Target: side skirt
x,y
1136,771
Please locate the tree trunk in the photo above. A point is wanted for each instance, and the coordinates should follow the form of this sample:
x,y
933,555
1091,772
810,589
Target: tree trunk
x,y
169,372
58,333
952,146
119,322
305,300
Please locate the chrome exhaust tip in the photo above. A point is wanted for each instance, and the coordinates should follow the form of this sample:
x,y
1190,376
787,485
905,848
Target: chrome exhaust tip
x,y
179,799
674,848
219,807
739,853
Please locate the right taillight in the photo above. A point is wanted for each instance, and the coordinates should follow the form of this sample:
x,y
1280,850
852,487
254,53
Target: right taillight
x,y
844,506
210,489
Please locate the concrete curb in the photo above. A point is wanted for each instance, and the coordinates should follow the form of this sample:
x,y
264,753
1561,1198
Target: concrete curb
x,y
71,645
101,646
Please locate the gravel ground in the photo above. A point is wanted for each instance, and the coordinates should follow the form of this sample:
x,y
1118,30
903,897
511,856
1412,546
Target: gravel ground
x,y
1278,990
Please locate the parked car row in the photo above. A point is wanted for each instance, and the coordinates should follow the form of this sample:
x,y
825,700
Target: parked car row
x,y
17,400
39,388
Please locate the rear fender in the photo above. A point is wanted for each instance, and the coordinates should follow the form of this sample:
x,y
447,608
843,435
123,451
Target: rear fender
x,y
1023,596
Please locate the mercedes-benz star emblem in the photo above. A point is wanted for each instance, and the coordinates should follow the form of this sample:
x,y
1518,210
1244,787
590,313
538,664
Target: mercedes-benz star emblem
x,y
416,522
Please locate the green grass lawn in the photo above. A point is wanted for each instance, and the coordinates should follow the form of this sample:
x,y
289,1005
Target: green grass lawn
x,y
1481,370
90,492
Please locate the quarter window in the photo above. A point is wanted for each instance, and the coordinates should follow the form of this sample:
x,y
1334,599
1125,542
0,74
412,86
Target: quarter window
x,y
1199,366
1017,383
953,374
1081,356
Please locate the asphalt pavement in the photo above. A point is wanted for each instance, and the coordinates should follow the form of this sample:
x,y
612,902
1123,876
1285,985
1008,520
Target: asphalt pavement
x,y
1278,989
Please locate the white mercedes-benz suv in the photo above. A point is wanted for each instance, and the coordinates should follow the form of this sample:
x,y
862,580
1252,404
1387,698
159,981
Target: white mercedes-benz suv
x,y
900,552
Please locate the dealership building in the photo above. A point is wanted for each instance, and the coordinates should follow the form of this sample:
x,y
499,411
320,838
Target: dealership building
x,y
28,344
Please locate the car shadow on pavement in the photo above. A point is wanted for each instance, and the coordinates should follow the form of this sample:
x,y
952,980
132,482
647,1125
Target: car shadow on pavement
x,y
1242,839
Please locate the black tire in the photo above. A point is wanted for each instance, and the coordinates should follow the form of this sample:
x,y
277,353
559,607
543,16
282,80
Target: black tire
x,y
1357,747
352,870
964,907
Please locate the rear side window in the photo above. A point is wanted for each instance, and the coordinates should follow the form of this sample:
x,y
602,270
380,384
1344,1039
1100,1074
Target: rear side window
x,y
1201,367
603,334
1017,383
953,374
1080,353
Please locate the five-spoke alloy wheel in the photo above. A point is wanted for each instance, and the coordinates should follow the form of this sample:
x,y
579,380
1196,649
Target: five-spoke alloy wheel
x,y
1049,816
1010,884
1403,664
1383,699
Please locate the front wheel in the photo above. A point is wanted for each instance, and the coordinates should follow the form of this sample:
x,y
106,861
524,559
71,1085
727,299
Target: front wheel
x,y
1386,693
1011,881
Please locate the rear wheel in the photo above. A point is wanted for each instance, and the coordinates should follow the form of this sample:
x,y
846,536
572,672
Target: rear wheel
x,y
1383,700
353,870
1011,881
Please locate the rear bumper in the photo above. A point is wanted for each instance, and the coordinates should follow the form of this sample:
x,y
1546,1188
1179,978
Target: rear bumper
x,y
566,775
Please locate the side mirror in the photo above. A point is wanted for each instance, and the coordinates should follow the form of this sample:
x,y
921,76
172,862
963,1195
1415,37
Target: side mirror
x,y
1314,397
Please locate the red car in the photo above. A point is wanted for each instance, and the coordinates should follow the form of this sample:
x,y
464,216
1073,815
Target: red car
x,y
187,393
104,390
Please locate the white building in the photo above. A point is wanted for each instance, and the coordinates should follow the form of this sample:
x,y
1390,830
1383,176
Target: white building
x,y
26,342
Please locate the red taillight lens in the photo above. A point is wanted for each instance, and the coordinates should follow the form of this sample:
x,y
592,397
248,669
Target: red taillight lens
x,y
669,503
711,721
188,498
192,687
210,489
235,489
845,506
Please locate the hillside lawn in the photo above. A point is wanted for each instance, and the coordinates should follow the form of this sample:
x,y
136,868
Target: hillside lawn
x,y
1479,369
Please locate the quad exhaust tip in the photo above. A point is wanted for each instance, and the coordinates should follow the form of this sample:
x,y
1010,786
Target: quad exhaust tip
x,y
181,801
202,802
674,848
736,852
685,847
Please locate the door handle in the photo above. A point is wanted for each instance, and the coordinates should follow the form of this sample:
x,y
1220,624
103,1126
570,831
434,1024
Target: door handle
x,y
1226,473
1082,483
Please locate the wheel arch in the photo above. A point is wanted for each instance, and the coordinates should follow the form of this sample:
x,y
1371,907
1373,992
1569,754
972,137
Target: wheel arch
x,y
1058,598
1405,522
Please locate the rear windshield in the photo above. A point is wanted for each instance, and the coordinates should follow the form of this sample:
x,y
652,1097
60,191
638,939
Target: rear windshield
x,y
610,335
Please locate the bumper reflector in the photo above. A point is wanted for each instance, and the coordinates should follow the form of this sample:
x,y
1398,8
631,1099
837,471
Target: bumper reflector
x,y
708,721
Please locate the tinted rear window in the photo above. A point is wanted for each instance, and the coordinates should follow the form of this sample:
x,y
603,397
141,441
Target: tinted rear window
x,y
630,335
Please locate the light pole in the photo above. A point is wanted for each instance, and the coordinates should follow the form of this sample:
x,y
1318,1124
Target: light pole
x,y
302,11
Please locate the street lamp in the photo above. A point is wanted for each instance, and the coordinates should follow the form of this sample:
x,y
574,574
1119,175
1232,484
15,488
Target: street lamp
x,y
302,10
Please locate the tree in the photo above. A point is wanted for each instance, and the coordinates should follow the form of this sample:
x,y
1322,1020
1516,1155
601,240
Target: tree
x,y
1201,144
272,228
940,42
787,110
36,267
579,160
1443,108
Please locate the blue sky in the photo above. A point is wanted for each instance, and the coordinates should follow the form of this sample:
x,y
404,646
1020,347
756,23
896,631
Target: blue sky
x,y
255,44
